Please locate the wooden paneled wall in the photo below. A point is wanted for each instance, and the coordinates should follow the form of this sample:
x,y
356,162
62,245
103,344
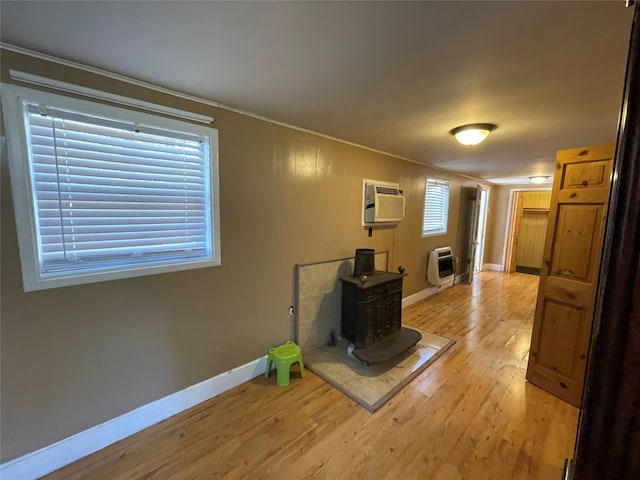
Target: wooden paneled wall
x,y
536,199
533,225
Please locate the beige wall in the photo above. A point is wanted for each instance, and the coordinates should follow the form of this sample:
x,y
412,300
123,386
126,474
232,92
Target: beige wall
x,y
77,356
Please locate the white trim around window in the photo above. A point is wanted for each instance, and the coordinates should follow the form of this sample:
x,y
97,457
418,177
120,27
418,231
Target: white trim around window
x,y
109,97
436,207
102,192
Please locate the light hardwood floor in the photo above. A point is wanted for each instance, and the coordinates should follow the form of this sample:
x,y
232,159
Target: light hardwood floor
x,y
470,415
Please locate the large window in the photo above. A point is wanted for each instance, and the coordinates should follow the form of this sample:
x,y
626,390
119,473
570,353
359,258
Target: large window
x,y
102,192
436,207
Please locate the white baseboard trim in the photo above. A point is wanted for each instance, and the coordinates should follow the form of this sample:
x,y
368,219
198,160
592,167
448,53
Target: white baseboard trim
x,y
492,266
52,457
421,295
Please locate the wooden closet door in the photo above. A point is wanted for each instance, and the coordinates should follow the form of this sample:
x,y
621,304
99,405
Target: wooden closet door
x,y
570,267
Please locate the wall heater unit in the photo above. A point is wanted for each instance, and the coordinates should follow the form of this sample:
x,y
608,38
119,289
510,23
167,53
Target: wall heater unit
x,y
440,268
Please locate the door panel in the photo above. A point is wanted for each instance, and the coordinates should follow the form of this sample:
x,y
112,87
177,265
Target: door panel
x,y
580,175
569,276
561,321
576,242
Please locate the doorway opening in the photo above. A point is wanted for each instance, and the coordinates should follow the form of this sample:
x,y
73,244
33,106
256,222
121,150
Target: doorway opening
x,y
482,228
526,230
475,201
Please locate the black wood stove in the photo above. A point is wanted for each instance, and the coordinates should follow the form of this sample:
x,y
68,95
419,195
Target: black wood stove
x,y
372,312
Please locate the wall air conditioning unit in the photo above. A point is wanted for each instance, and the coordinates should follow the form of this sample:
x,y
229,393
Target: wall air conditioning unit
x,y
383,202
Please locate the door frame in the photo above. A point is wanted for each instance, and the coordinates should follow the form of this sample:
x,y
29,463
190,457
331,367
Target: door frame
x,y
510,224
482,228
473,233
607,440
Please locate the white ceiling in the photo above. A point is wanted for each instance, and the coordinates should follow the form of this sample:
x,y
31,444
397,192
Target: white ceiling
x,y
393,76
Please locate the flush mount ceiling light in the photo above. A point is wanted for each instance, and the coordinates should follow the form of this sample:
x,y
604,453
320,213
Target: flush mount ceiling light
x,y
472,134
538,179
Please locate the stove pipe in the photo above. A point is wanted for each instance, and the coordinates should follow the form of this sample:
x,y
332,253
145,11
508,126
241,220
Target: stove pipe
x,y
365,262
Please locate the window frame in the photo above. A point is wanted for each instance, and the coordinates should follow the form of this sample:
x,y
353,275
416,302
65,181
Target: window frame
x,y
444,214
19,160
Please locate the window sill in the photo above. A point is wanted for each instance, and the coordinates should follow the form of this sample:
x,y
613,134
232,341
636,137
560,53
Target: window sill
x,y
434,234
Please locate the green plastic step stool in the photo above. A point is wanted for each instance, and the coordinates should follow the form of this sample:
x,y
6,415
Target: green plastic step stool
x,y
284,356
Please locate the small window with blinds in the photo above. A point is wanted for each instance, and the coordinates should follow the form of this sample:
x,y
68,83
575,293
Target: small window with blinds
x,y
436,207
111,193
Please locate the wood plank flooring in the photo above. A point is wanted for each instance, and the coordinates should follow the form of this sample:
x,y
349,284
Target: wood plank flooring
x,y
470,415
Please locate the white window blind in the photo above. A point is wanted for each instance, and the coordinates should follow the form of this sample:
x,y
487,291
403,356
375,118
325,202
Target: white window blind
x,y
436,207
111,194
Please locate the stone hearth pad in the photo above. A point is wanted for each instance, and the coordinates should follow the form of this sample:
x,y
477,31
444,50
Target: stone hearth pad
x,y
371,386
